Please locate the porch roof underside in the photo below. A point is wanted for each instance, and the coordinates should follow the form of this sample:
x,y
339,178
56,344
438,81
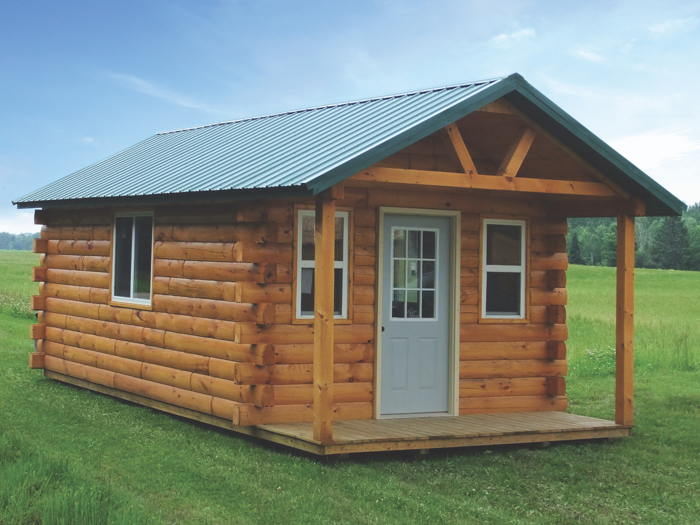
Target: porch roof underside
x,y
303,153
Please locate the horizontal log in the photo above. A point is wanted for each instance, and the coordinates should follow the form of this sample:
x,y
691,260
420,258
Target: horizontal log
x,y
109,362
50,348
547,261
88,263
216,271
511,368
469,277
78,278
285,233
513,332
36,360
470,222
262,232
556,386
37,331
365,217
223,310
480,405
363,295
165,376
527,386
164,393
556,314
86,373
77,233
263,293
194,251
363,314
248,415
248,252
209,213
365,236
196,288
342,353
546,297
89,248
283,313
85,294
38,302
597,208
260,354
160,356
249,374
74,308
365,256
73,217
42,216
469,295
503,350
364,275
342,393
265,212
285,274
260,396
549,226
251,333
78,340
556,350
470,240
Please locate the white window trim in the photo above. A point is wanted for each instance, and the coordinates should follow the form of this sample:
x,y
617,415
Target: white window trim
x,y
119,298
344,265
504,268
437,274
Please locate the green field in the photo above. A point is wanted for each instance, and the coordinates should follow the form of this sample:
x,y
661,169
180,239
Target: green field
x,y
72,456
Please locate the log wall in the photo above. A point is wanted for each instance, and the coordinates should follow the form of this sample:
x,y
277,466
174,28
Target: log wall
x,y
219,337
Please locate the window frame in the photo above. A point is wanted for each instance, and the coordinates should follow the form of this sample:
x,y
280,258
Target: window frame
x,y
522,269
345,265
131,301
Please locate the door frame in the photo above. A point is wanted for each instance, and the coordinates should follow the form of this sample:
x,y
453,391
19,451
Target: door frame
x,y
454,303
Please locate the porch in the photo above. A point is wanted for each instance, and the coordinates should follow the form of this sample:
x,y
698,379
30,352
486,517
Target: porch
x,y
425,433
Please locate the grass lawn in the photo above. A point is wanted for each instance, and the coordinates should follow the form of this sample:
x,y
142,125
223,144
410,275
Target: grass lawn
x,y
128,464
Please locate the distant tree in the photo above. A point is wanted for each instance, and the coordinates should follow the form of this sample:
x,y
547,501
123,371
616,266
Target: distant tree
x,y
20,241
669,244
575,250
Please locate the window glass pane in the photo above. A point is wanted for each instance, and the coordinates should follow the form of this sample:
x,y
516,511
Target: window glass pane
x,y
399,243
339,237
414,244
428,305
400,274
397,304
338,291
428,245
412,304
122,256
413,277
503,293
306,289
503,244
308,231
142,257
428,274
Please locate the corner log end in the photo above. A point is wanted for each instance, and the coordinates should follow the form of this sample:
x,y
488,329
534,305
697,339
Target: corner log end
x,y
37,331
556,350
36,360
39,274
38,302
556,386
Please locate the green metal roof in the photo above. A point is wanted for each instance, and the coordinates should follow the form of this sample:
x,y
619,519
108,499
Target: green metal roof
x,y
305,152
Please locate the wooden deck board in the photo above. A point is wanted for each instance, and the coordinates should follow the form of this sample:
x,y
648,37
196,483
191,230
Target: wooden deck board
x,y
440,432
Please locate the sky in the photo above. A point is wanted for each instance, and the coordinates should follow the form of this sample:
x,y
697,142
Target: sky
x,y
82,80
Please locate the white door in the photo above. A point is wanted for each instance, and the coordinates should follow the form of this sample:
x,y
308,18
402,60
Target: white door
x,y
415,315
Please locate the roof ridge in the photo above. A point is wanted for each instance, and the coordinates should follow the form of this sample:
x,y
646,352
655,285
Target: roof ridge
x,y
340,104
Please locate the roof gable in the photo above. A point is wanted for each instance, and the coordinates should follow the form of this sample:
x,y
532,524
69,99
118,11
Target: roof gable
x,y
308,151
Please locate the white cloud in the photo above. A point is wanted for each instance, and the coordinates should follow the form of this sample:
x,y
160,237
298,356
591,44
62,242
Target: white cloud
x,y
505,39
589,55
569,89
671,27
19,221
148,88
87,140
655,148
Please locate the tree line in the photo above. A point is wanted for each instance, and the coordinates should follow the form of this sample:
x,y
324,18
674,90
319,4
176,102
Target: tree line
x,y
17,241
671,243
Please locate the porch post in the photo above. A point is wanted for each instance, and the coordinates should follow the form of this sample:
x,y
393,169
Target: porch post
x,y
624,350
324,318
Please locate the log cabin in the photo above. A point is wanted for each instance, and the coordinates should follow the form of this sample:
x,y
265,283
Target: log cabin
x,y
384,274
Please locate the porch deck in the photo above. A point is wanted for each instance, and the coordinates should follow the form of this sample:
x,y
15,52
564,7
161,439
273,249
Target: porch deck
x,y
444,432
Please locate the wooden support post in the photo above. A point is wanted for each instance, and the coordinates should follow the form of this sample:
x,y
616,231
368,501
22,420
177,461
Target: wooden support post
x,y
324,318
624,360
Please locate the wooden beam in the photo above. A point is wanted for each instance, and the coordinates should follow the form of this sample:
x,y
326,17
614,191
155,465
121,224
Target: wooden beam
x,y
516,154
465,159
599,208
624,350
482,182
324,319
504,107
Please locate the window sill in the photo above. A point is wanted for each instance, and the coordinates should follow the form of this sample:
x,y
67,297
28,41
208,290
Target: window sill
x,y
503,320
310,322
126,304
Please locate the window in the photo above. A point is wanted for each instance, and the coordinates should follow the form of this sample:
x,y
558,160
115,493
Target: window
x,y
503,286
133,249
413,273
306,262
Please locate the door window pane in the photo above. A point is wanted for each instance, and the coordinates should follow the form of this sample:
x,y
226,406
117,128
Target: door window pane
x,y
399,243
414,244
428,245
413,282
